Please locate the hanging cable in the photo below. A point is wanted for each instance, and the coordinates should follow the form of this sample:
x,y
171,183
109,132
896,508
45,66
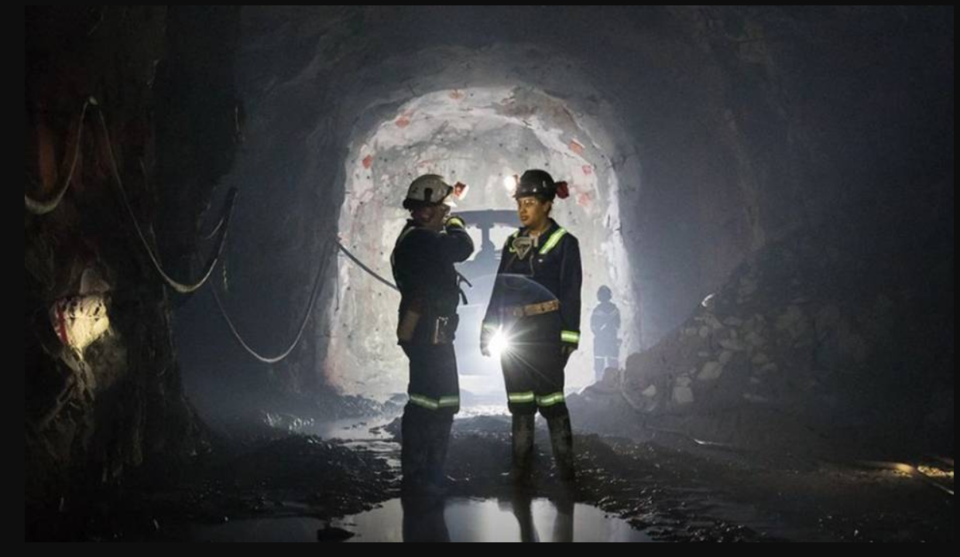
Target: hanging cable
x,y
317,281
182,288
370,271
38,207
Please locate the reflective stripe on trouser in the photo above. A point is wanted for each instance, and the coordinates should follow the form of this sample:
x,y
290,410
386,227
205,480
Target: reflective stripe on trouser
x,y
434,384
434,403
521,398
550,400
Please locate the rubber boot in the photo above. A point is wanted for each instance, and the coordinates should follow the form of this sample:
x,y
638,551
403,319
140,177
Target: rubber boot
x,y
523,433
561,439
414,454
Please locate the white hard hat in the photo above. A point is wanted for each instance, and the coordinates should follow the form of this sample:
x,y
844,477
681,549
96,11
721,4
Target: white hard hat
x,y
429,189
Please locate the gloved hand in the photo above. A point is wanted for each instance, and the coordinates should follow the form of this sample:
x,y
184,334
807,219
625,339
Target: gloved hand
x,y
454,220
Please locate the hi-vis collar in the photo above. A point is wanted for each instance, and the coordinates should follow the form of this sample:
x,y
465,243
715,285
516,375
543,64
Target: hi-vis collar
x,y
522,245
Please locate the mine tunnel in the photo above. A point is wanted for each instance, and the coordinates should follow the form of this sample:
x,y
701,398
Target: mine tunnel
x,y
761,196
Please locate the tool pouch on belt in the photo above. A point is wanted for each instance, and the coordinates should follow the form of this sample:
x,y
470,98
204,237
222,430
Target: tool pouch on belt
x,y
445,329
419,323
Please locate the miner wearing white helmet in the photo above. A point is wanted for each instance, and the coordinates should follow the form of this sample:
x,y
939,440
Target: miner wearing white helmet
x,y
423,266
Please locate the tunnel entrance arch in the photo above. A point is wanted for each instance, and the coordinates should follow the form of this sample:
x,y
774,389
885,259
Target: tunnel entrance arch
x,y
479,136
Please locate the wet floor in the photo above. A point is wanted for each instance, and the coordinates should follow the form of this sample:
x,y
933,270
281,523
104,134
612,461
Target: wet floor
x,y
343,487
453,520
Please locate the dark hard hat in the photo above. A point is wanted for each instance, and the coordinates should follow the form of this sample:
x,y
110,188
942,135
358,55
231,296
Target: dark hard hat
x,y
536,183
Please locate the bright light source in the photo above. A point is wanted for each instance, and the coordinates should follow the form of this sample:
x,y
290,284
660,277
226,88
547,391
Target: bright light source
x,y
904,469
510,182
499,343
934,472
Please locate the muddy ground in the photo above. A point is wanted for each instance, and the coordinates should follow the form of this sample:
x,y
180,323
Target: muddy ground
x,y
667,486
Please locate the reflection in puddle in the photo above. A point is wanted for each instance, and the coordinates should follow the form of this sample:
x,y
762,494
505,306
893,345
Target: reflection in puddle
x,y
508,520
433,520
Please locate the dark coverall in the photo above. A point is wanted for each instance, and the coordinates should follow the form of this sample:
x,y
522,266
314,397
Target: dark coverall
x,y
524,305
423,267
